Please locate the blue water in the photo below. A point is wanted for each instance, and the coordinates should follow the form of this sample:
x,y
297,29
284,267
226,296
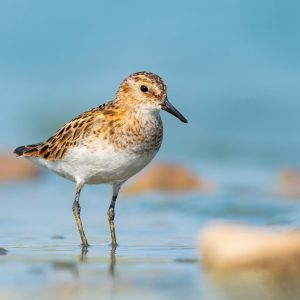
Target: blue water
x,y
232,68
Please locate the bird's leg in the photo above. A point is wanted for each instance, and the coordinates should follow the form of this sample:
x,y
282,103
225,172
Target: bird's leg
x,y
111,214
76,212
112,261
111,217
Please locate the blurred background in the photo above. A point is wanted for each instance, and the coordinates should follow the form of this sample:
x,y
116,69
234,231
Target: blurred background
x,y
232,68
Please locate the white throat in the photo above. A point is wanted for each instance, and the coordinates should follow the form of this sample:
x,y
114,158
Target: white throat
x,y
150,109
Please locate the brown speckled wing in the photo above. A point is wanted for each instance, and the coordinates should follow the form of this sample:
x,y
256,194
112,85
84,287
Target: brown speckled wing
x,y
66,137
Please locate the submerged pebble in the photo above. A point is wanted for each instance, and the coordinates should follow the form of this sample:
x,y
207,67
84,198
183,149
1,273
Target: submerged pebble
x,y
57,237
186,260
3,251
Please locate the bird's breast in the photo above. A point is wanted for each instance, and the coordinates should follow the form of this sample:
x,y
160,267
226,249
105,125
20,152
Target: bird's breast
x,y
136,134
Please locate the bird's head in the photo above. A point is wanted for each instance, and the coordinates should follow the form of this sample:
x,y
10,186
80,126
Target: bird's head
x,y
147,91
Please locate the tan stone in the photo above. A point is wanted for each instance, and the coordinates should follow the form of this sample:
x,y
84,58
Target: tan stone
x,y
232,247
288,184
167,177
13,168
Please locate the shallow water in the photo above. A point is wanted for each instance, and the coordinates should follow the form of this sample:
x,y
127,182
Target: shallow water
x,y
157,257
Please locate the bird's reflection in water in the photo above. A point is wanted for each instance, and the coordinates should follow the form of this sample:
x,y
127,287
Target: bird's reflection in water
x,y
111,272
111,268
112,262
112,287
84,251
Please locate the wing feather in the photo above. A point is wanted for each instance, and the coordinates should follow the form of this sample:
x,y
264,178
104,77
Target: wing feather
x,y
65,138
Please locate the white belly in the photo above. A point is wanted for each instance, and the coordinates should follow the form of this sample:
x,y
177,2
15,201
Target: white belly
x,y
105,166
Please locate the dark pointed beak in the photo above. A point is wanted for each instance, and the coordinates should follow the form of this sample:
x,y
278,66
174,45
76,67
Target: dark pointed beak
x,y
167,106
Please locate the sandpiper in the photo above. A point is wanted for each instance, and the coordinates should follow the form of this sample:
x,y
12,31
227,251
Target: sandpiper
x,y
109,143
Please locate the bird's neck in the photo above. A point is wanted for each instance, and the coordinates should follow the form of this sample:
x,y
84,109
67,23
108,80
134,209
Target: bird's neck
x,y
136,109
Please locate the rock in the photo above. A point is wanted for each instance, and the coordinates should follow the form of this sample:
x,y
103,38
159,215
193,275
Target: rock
x,y
57,237
167,177
3,251
288,184
226,247
13,168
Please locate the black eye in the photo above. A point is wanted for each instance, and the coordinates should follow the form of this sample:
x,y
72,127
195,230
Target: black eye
x,y
144,89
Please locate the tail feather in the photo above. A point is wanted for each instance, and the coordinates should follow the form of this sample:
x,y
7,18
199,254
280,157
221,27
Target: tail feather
x,y
29,149
20,150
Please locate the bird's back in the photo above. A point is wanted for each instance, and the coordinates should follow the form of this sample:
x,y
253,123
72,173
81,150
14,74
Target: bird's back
x,y
108,122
